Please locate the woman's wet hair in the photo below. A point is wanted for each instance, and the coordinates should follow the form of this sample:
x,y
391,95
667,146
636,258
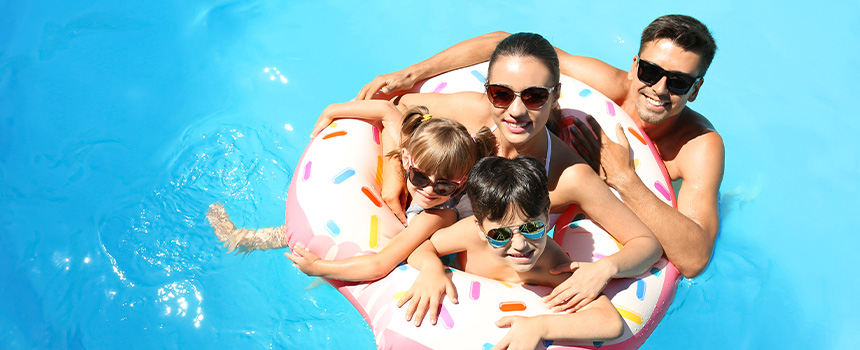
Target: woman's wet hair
x,y
501,188
535,46
687,32
440,146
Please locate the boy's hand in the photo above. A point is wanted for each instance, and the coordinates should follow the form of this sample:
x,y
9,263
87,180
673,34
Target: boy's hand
x,y
580,289
426,295
525,333
304,260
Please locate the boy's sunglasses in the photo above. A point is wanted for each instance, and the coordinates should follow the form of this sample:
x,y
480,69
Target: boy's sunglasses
x,y
677,83
441,187
501,236
533,97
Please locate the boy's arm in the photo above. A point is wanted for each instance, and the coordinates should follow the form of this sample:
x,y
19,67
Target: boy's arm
x,y
376,266
597,321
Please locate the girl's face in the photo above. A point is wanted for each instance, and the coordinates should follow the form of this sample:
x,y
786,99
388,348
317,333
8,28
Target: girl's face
x,y
517,122
518,241
427,190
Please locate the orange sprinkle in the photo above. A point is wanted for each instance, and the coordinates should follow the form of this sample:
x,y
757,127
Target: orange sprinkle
x,y
636,134
373,198
379,170
509,306
334,134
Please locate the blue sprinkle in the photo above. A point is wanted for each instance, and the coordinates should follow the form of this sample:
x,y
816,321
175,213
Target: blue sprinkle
x,y
585,93
480,76
343,175
573,224
598,344
332,228
656,272
403,267
640,289
546,343
578,217
488,346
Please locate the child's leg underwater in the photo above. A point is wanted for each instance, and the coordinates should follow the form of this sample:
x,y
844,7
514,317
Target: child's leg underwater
x,y
242,239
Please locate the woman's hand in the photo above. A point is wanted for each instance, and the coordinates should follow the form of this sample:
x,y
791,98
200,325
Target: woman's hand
x,y
426,295
304,260
387,85
580,289
525,333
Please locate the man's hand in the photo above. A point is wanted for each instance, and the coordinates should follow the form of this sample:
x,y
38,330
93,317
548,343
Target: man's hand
x,y
387,85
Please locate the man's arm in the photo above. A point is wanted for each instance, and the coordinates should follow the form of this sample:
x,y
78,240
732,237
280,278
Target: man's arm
x,y
688,233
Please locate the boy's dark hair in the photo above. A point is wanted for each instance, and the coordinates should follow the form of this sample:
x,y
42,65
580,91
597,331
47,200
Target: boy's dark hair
x,y
686,32
500,187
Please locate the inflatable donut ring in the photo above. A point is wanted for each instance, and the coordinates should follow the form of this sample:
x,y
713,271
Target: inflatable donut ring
x,y
335,210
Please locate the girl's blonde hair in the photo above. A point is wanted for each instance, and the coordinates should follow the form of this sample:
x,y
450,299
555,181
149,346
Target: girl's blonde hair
x,y
441,146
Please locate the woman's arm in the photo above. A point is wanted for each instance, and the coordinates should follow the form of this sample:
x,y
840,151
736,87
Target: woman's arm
x,y
580,185
376,266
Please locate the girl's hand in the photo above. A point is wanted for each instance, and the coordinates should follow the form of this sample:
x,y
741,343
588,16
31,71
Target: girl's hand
x,y
323,121
525,333
426,295
304,260
580,289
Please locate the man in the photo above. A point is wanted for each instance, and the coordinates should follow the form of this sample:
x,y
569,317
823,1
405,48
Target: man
x,y
674,54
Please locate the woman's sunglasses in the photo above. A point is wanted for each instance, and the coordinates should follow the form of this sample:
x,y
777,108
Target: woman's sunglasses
x,y
441,187
677,83
501,236
533,98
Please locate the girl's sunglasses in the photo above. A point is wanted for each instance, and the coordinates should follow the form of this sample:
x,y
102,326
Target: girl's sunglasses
x,y
533,98
441,187
501,236
677,83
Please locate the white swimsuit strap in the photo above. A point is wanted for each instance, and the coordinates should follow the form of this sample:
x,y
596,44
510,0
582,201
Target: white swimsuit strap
x,y
548,150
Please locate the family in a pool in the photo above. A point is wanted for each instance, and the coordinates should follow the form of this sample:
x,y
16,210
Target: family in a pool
x,y
493,163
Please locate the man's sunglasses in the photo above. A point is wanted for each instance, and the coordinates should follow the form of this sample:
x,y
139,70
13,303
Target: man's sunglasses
x,y
533,97
501,236
677,83
441,187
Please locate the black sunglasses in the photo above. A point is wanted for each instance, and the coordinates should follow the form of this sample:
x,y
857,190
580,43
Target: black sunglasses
x,y
678,83
441,187
501,236
533,97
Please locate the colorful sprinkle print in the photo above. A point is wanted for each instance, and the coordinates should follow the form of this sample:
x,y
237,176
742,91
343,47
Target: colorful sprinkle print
x,y
610,108
374,231
440,87
598,344
375,135
640,289
656,271
546,343
332,228
511,306
636,134
585,93
379,170
629,314
343,175
307,174
662,189
370,195
475,290
445,317
334,134
480,76
487,346
635,163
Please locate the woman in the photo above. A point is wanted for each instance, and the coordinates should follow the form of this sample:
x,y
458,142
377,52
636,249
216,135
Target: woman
x,y
522,96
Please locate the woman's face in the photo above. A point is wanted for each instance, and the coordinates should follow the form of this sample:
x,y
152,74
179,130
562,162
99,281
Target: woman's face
x,y
516,122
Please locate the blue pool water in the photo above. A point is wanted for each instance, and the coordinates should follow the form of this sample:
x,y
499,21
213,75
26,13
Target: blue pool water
x,y
120,121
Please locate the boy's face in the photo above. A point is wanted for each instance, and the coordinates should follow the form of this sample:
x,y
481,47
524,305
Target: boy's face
x,y
519,253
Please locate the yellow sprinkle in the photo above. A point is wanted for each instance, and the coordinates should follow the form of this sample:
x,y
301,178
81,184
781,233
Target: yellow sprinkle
x,y
374,231
399,295
332,125
635,164
506,284
379,170
629,314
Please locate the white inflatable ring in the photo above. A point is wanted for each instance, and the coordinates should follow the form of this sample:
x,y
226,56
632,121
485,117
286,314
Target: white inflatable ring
x,y
334,209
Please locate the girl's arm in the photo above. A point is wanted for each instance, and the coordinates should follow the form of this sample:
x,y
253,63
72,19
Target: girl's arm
x,y
579,184
432,283
376,266
597,321
380,110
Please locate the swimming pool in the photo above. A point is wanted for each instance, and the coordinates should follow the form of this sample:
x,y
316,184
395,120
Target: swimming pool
x,y
121,121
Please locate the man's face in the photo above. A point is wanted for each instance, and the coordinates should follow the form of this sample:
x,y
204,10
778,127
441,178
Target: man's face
x,y
655,103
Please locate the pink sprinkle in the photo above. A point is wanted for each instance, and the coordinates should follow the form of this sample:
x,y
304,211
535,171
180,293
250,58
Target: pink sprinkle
x,y
440,87
610,108
662,189
445,317
307,171
376,135
598,256
475,290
